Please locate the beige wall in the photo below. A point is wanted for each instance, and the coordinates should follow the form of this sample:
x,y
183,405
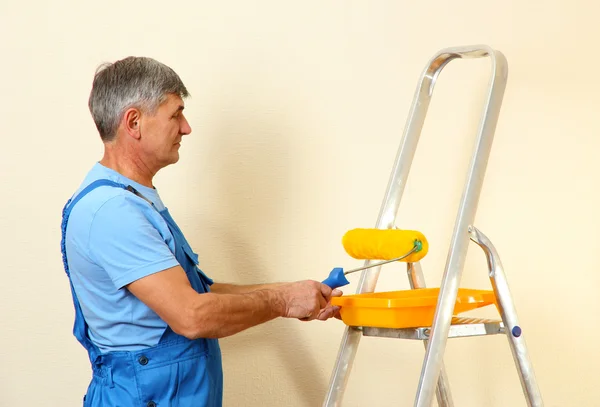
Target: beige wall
x,y
297,112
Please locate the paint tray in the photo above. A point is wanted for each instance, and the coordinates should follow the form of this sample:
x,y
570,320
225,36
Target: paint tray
x,y
404,309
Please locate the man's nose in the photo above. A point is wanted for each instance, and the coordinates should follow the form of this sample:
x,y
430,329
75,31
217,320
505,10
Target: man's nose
x,y
185,127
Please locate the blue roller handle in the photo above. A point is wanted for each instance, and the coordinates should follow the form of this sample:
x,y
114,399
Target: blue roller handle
x,y
336,278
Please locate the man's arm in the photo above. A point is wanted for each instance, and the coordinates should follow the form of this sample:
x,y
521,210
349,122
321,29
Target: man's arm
x,y
223,288
125,240
216,315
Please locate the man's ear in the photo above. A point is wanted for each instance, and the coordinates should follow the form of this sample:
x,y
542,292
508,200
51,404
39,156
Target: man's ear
x,y
131,122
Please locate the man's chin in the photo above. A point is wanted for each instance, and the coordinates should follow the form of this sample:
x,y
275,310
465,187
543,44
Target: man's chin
x,y
172,160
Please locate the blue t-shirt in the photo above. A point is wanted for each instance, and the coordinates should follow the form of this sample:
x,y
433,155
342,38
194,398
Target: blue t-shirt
x,y
113,238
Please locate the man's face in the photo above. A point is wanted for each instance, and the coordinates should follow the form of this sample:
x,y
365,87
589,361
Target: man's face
x,y
162,132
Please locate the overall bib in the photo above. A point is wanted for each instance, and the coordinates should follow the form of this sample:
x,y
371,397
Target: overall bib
x,y
177,372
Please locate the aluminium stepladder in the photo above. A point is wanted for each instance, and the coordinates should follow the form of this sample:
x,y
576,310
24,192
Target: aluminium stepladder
x,y
433,378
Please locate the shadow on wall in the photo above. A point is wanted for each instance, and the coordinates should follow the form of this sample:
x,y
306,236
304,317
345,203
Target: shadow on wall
x,y
249,157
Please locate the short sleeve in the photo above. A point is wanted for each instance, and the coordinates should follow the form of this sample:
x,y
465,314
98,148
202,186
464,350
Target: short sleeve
x,y
129,239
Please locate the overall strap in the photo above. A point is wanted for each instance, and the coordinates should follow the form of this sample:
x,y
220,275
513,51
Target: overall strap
x,y
69,207
80,326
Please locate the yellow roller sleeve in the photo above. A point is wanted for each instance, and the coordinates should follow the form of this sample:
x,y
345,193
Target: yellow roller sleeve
x,y
384,244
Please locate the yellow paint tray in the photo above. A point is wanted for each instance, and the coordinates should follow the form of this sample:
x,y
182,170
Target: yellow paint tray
x,y
404,309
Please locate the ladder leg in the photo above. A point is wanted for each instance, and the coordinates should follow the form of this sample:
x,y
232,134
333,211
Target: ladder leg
x,y
433,362
508,312
442,392
343,366
352,335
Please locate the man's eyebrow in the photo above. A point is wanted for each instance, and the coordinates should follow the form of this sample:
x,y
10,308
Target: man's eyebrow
x,y
179,108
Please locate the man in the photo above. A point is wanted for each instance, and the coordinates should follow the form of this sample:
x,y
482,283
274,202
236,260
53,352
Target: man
x,y
149,318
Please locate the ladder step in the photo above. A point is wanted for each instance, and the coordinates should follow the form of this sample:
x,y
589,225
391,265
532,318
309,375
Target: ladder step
x,y
461,327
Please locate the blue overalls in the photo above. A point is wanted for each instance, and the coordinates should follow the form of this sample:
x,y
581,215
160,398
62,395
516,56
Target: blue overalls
x,y
177,372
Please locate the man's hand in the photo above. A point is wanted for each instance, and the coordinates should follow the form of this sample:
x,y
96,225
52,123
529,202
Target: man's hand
x,y
331,311
307,300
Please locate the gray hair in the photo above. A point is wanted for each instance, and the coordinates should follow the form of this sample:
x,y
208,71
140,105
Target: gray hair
x,y
139,82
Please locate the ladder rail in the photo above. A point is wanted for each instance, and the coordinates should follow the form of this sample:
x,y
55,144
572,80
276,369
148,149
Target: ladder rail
x,y
508,313
442,392
457,252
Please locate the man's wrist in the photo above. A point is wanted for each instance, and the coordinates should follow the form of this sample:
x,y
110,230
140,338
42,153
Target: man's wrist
x,y
275,301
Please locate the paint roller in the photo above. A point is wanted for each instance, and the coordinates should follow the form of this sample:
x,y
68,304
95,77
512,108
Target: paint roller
x,y
388,245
